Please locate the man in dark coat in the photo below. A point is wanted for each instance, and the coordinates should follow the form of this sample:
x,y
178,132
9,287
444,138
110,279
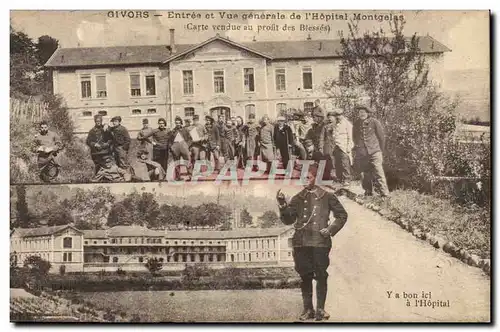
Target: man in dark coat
x,y
144,137
251,131
198,136
121,142
100,141
369,141
283,139
160,137
214,141
179,143
309,212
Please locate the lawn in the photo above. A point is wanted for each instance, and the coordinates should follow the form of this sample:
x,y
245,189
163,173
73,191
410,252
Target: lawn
x,y
270,305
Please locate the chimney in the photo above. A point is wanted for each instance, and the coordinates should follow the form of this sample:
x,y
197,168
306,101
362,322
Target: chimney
x,y
172,40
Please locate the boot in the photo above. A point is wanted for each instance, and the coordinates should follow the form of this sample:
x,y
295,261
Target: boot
x,y
321,314
306,288
321,290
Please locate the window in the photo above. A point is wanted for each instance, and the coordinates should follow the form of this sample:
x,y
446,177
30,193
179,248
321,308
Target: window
x,y
115,259
289,254
87,114
150,85
86,242
188,111
343,74
249,80
100,83
135,84
121,240
86,86
103,113
290,243
187,79
209,242
281,108
219,81
307,78
67,257
136,111
308,106
151,110
67,242
113,240
280,80
105,242
95,242
249,109
129,240
141,259
136,240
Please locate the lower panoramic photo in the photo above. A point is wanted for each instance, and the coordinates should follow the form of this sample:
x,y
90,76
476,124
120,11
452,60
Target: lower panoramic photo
x,y
264,252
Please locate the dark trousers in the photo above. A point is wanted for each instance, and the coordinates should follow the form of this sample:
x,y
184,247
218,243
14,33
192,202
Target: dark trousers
x,y
312,263
285,155
121,157
161,157
196,152
180,149
372,170
342,165
300,150
227,149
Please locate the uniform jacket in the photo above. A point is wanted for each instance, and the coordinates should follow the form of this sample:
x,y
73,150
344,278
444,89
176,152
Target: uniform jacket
x,y
98,135
251,131
314,134
368,134
213,136
283,137
309,211
121,137
184,133
160,137
266,139
230,133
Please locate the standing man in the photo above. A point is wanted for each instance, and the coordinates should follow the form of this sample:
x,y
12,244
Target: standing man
x,y
251,131
144,137
159,140
240,143
121,142
198,135
343,147
309,212
229,136
266,140
100,141
314,135
283,139
327,141
214,141
369,141
179,144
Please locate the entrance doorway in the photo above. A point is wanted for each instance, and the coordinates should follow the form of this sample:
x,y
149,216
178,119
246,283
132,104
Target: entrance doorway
x,y
220,110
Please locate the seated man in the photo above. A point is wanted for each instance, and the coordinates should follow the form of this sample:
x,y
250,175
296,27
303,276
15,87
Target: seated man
x,y
110,172
154,169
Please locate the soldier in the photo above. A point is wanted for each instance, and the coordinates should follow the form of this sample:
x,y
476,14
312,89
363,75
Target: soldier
x,y
343,147
144,137
251,131
154,170
309,212
46,144
110,172
121,142
283,139
159,139
229,136
100,141
179,143
198,136
369,140
214,140
266,140
327,141
240,142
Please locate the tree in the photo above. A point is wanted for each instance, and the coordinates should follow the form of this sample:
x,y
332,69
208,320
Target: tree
x,y
392,75
23,215
154,265
135,209
45,47
245,218
269,219
58,215
23,64
91,207
37,265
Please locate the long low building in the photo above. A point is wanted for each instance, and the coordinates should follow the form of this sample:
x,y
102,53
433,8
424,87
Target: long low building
x,y
129,247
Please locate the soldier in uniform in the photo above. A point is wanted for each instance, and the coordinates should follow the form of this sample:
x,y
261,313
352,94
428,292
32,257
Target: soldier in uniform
x,y
100,141
327,141
214,141
144,137
251,131
369,140
266,140
283,139
159,140
198,137
240,142
309,212
121,142
179,143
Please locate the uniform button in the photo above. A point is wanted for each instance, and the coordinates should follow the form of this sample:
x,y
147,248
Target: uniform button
x,y
315,214
305,215
305,201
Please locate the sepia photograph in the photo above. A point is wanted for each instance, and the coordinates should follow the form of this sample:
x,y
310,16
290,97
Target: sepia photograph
x,y
250,166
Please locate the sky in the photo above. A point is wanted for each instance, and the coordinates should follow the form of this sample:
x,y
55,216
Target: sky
x,y
465,33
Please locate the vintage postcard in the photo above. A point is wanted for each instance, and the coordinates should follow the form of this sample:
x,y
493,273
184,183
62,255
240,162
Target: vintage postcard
x,y
250,166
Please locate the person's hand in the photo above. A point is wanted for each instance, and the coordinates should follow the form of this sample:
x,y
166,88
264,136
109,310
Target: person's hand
x,y
280,197
325,232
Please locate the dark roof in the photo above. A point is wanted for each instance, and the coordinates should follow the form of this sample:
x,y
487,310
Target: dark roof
x,y
94,234
42,231
157,54
236,233
132,231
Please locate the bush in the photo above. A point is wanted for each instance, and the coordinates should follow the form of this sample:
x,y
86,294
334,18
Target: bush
x,y
120,272
37,265
62,270
194,271
153,265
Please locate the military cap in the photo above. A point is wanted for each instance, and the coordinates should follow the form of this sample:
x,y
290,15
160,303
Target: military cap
x,y
318,112
208,117
116,118
162,120
97,116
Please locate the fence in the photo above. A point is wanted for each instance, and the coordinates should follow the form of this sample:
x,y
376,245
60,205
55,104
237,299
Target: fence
x,y
30,109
